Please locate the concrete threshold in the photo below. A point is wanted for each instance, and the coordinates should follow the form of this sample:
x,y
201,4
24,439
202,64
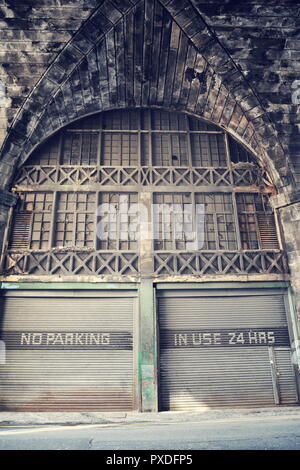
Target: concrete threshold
x,y
79,418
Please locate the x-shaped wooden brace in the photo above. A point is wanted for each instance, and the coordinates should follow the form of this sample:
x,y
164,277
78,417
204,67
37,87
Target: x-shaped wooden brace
x,y
177,176
45,174
163,264
129,177
128,263
204,177
160,176
274,260
34,262
108,176
221,177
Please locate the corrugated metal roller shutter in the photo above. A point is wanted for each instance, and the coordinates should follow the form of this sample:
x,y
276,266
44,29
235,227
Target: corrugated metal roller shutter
x,y
66,353
216,349
285,376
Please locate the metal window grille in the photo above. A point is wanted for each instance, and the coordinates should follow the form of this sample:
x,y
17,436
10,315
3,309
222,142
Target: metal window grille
x,y
178,226
79,148
75,220
135,138
238,153
119,149
219,221
47,153
173,221
117,223
208,150
31,227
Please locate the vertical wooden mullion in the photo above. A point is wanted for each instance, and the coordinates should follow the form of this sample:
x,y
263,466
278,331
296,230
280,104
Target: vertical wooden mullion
x,y
85,220
236,222
52,222
209,149
260,245
60,148
66,218
111,148
106,197
161,229
216,225
80,148
71,149
170,149
194,218
161,200
225,213
139,149
118,225
189,145
121,162
96,245
218,149
90,147
85,228
32,220
150,162
65,212
228,159
99,148
172,222
159,163
75,226
215,140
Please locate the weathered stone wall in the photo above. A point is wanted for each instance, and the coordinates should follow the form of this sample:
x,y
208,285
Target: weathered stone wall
x,y
196,64
32,33
7,200
290,221
263,38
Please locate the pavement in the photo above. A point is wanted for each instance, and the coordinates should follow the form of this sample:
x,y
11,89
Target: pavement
x,y
77,418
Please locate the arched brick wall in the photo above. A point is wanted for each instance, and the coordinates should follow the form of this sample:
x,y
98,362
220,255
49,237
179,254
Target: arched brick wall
x,y
152,53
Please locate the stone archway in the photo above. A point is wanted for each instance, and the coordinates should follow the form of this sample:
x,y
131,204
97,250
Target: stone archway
x,y
148,54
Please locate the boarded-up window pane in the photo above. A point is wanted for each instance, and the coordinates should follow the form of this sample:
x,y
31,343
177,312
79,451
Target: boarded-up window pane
x,y
20,233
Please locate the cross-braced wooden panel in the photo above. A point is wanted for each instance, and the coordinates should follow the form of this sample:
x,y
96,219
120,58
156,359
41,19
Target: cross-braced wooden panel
x,y
146,176
213,263
106,263
70,263
213,192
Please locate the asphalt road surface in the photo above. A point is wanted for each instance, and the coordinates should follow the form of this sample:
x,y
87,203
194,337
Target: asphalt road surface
x,y
246,433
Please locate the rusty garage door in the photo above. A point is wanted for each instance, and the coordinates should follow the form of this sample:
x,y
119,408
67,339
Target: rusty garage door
x,y
224,349
67,351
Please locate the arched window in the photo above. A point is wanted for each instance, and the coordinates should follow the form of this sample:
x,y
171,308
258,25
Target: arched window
x,y
81,194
